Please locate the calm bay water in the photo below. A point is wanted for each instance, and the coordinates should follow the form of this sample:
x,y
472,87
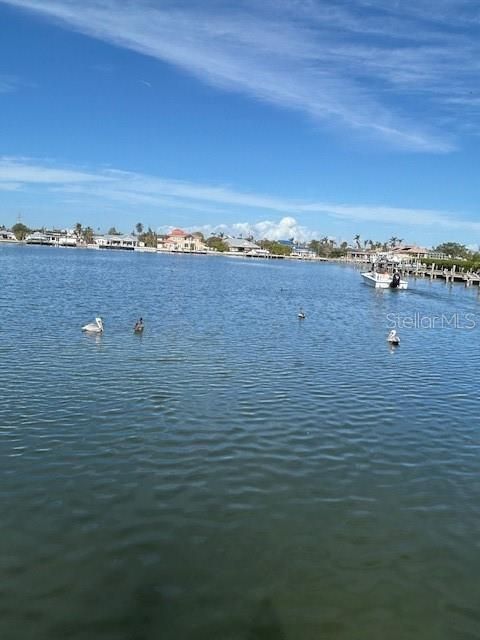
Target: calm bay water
x,y
234,473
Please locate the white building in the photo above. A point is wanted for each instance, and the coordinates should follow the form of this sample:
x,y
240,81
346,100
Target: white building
x,y
37,237
412,253
304,253
62,238
245,247
116,242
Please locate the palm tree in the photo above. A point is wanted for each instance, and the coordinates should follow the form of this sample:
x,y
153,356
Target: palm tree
x,y
78,230
393,241
357,240
139,228
314,245
323,247
88,235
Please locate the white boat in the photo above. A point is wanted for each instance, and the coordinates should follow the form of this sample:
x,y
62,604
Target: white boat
x,y
384,280
7,236
37,237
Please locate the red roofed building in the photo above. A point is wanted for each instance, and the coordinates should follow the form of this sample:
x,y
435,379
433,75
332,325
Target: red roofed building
x,y
182,241
178,233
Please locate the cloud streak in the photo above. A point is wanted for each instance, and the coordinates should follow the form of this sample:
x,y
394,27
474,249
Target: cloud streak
x,y
133,192
382,71
19,170
8,84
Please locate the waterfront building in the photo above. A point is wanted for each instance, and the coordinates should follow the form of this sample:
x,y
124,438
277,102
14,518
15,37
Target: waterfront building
x,y
180,241
298,250
407,253
37,237
304,253
63,238
245,247
120,241
362,255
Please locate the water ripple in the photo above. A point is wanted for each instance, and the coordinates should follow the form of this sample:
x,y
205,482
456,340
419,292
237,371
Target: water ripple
x,y
233,471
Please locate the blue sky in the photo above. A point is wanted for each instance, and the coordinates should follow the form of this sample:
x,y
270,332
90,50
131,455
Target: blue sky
x,y
299,118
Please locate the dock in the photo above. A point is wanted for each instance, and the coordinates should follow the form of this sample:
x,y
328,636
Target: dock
x,y
468,278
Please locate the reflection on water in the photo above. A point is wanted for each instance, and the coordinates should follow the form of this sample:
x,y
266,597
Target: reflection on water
x,y
233,473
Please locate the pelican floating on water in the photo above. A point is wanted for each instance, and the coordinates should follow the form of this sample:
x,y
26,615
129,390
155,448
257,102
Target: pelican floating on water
x,y
393,338
301,315
94,327
139,326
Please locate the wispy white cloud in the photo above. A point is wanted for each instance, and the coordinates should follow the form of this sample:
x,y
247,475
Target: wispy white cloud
x,y
20,170
133,192
384,70
8,84
10,186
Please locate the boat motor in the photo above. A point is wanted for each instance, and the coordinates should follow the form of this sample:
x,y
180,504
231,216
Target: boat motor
x,y
395,280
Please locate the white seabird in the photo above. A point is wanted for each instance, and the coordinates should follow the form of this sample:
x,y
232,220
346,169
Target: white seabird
x,y
94,327
393,338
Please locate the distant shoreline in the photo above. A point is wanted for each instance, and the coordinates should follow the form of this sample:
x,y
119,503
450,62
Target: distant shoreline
x,y
168,252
